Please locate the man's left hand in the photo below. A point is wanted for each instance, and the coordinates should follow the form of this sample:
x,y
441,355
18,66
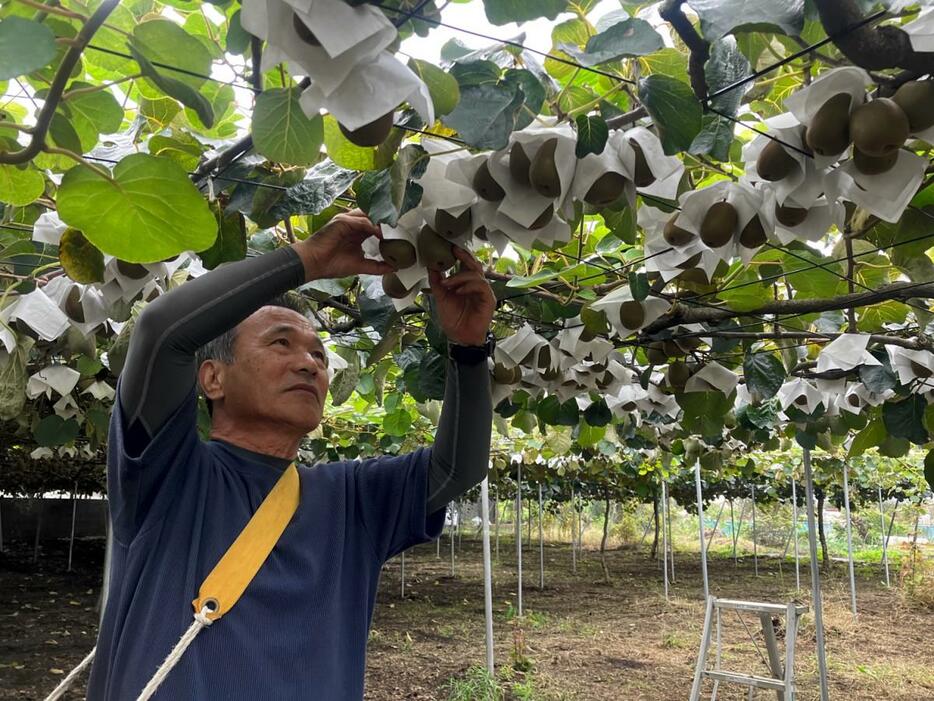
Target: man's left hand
x,y
465,301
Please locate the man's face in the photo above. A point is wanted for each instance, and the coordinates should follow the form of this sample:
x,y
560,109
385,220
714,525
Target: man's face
x,y
279,371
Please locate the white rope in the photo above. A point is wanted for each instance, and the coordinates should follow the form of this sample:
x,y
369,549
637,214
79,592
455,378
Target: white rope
x,y
70,679
200,623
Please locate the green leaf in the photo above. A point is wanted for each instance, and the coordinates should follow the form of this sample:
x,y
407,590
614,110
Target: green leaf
x,y
82,261
388,194
323,183
869,437
282,132
553,412
238,39
397,423
704,412
522,282
639,286
592,133
486,114
149,210
432,371
99,108
598,414
929,468
344,382
172,87
181,147
163,41
20,187
625,39
534,93
905,419
764,373
675,110
720,17
53,430
25,46
746,292
588,435
506,11
877,378
442,86
230,243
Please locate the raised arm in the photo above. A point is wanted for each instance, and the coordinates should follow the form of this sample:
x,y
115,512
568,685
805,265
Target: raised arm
x,y
461,452
160,367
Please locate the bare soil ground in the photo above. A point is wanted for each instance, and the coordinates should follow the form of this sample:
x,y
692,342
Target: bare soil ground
x,y
582,638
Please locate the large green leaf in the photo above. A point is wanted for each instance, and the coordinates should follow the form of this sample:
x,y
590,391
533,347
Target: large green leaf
x,y
53,430
163,41
388,194
704,412
442,86
323,184
149,210
675,110
281,130
181,91
506,11
20,186
230,243
534,93
764,373
869,437
25,46
719,17
347,154
725,66
905,419
486,114
592,133
627,38
80,259
99,108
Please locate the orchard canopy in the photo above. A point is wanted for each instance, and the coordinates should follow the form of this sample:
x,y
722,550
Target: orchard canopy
x,y
707,223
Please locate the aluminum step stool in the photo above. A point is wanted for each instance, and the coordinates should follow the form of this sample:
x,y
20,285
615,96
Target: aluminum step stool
x,y
782,680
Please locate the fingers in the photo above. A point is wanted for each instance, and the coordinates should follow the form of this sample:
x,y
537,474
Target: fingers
x,y
471,286
468,259
435,281
373,267
358,225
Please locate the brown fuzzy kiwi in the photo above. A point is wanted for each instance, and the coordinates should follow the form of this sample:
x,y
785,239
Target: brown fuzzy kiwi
x,y
643,175
485,185
774,162
916,98
674,235
719,224
879,127
829,134
372,134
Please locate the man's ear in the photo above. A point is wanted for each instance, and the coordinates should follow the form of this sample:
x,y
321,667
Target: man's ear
x,y
211,378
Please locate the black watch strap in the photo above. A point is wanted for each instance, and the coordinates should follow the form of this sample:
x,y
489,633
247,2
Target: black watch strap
x,y
473,355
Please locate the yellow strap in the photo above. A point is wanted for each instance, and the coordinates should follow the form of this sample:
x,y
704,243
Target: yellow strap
x,y
232,574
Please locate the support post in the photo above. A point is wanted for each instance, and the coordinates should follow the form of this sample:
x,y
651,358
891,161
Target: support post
x,y
716,525
453,536
794,509
402,575
700,525
573,534
71,539
487,572
519,538
665,535
496,512
541,542
1,526
815,579
671,540
849,537
755,547
885,541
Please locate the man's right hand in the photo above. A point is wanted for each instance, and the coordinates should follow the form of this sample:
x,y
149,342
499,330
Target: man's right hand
x,y
336,251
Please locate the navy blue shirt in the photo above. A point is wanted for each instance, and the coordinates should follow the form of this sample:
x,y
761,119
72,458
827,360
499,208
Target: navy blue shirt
x,y
300,629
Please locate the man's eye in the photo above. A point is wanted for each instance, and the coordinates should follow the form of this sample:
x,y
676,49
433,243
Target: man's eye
x,y
283,341
321,355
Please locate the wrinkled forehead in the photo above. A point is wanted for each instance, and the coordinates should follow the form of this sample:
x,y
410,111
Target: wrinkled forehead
x,y
270,320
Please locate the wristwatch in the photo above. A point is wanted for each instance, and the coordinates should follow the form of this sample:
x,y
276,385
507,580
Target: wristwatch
x,y
473,355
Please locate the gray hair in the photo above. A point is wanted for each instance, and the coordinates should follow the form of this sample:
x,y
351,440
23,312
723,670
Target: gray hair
x,y
222,347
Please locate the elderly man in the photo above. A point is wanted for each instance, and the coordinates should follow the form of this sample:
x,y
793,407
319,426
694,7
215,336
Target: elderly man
x,y
299,630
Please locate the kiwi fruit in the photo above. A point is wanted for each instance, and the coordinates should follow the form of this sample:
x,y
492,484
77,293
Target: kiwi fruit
x,y
606,189
399,253
631,315
828,134
595,323
916,98
879,127
435,252
854,400
519,164
544,218
774,162
543,173
544,357
506,375
550,374
393,286
801,400
719,224
304,33
674,235
485,185
874,165
134,271
920,370
371,134
753,234
789,215
678,374
452,227
695,276
73,307
481,233
655,353
643,176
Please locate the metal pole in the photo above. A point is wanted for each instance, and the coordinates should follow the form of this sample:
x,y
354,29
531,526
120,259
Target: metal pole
x,y
487,572
402,574
849,537
885,541
815,579
794,508
1,527
755,547
716,525
573,534
700,525
733,530
519,537
71,540
453,536
665,535
671,540
541,542
580,531
497,514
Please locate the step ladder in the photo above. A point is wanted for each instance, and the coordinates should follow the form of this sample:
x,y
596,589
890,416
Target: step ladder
x,y
782,680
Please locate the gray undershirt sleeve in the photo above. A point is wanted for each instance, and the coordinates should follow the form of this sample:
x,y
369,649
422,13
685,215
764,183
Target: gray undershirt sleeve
x,y
160,367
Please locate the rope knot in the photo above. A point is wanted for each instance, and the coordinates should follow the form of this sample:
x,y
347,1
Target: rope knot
x,y
202,618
